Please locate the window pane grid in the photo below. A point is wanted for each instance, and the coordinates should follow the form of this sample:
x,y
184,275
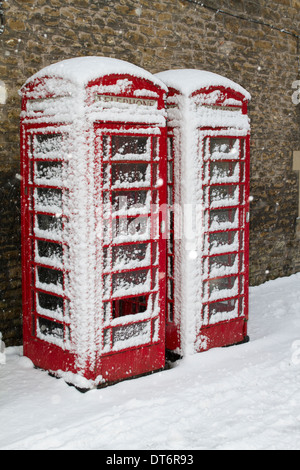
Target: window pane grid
x,y
130,243
224,203
170,245
48,198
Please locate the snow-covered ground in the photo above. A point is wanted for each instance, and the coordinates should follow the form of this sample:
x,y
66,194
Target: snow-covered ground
x,y
243,397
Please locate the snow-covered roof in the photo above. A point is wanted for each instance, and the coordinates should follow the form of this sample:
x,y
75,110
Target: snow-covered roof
x,y
82,70
187,81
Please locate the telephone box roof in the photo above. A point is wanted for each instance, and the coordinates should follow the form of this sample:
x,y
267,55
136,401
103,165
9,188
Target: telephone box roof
x,y
82,70
188,81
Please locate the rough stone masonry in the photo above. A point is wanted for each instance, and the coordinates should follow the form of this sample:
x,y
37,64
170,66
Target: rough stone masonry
x,y
253,42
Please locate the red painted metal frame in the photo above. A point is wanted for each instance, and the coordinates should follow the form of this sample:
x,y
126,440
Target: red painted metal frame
x,y
232,331
115,365
172,325
135,360
137,83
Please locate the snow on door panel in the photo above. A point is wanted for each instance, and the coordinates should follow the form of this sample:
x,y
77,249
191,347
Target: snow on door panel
x,y
131,257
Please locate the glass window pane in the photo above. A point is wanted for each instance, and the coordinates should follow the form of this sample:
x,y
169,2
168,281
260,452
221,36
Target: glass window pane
x,y
126,256
223,172
49,252
223,265
130,175
170,312
130,306
224,307
107,286
223,260
50,277
106,175
156,148
51,303
170,289
47,145
105,147
130,147
224,241
48,199
50,225
48,173
224,195
131,282
125,336
170,195
223,287
133,201
224,147
170,266
170,148
223,219
170,172
131,229
50,328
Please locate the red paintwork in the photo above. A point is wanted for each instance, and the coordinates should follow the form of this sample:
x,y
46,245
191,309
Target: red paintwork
x,y
225,332
112,365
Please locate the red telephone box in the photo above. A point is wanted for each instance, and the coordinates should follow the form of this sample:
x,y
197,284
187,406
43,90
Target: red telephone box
x,y
93,155
208,197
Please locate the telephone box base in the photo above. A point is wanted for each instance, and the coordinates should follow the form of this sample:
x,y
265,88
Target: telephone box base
x,y
110,369
223,335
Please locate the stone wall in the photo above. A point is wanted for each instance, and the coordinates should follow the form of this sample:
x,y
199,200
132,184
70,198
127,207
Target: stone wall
x,y
158,35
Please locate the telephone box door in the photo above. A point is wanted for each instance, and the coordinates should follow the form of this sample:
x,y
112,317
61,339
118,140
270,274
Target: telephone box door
x,y
226,232
132,170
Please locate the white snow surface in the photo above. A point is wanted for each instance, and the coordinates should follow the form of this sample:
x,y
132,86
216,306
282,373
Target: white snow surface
x,y
187,81
245,397
82,70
